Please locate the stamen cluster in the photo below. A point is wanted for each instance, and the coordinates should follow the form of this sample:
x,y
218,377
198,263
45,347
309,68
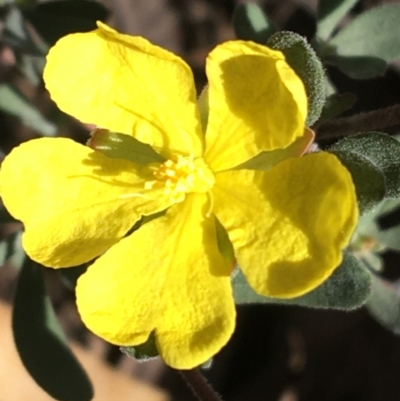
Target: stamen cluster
x,y
181,175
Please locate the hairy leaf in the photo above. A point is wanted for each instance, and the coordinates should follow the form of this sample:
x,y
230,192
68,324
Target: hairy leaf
x,y
380,149
303,59
368,179
347,288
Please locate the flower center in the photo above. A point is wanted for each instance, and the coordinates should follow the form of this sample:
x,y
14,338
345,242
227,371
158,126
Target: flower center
x,y
181,175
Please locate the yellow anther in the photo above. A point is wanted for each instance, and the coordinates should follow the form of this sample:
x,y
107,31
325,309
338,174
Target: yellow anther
x,y
181,175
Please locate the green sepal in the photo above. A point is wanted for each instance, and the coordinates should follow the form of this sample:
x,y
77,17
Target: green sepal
x,y
368,179
371,38
251,23
40,342
382,150
336,104
348,288
384,303
330,13
224,244
303,59
121,146
143,352
202,103
57,18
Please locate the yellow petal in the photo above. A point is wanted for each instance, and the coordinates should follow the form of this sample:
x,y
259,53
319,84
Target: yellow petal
x,y
256,101
75,203
168,276
127,85
288,225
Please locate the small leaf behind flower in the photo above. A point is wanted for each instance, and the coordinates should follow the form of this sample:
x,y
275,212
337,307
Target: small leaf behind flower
x,y
348,288
143,352
40,342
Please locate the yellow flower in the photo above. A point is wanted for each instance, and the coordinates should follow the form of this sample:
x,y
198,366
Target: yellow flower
x,y
287,225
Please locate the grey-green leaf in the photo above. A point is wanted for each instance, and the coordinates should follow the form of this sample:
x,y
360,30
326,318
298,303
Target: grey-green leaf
x,y
359,67
384,303
303,59
330,13
382,150
347,289
40,342
368,179
390,238
250,23
13,102
374,33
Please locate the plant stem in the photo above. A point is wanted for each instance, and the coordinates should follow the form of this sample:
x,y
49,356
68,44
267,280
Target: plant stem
x,y
373,120
200,387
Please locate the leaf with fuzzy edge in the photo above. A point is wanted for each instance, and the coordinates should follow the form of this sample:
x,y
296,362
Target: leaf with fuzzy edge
x,y
303,59
348,288
368,179
380,149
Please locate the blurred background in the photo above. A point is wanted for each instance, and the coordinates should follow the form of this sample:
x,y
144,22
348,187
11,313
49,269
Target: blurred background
x,y
278,353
